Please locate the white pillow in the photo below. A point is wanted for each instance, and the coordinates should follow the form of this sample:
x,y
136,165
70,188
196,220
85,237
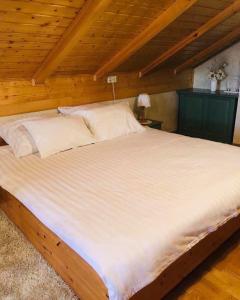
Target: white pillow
x,y
17,137
68,110
111,121
53,135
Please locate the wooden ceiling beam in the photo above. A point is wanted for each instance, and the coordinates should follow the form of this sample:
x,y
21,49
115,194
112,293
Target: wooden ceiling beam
x,y
80,25
213,22
210,51
160,23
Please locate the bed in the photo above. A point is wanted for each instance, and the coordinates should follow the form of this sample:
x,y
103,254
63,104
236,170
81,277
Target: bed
x,y
129,217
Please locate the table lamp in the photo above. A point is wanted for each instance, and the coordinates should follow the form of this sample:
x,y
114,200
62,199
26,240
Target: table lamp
x,y
143,102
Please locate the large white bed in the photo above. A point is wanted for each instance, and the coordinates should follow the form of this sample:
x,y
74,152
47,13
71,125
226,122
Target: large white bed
x,y
132,205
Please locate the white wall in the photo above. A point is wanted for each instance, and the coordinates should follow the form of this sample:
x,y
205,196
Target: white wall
x,y
231,56
164,107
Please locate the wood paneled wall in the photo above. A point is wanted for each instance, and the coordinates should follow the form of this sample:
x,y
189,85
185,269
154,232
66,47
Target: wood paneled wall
x,y
20,96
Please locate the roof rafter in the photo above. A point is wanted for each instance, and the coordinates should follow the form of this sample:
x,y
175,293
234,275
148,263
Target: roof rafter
x,y
86,16
213,22
160,23
208,52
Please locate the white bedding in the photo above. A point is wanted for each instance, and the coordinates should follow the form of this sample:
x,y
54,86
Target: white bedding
x,y
132,205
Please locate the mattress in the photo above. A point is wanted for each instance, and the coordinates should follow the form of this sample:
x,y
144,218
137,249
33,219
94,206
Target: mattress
x,y
132,205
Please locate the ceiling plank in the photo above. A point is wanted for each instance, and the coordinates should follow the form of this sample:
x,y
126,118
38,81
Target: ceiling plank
x,y
81,24
226,13
161,22
210,51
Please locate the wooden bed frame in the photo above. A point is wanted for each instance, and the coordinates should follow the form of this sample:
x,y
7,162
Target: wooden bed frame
x,y
82,278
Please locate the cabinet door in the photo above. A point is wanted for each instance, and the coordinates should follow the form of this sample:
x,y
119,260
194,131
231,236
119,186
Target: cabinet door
x,y
190,120
219,116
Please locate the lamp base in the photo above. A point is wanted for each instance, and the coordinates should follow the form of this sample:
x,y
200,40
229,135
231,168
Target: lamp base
x,y
141,116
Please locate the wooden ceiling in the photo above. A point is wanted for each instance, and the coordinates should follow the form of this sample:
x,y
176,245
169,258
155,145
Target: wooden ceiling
x,y
39,38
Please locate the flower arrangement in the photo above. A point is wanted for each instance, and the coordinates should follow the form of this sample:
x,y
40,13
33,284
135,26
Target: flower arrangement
x,y
218,73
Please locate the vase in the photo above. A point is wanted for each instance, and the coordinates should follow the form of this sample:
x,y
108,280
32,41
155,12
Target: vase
x,y
214,83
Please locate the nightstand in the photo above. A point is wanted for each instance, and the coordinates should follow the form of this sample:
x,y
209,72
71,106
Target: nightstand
x,y
156,124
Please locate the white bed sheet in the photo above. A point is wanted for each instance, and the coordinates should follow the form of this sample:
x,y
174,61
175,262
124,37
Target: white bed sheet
x,y
132,205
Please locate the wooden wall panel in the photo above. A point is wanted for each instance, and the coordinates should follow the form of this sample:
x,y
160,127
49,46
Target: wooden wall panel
x,y
20,96
196,16
31,27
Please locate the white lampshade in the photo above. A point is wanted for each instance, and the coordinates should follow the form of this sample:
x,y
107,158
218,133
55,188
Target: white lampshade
x,y
144,100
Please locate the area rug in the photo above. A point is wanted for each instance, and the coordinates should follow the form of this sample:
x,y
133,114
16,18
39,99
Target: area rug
x,y
24,274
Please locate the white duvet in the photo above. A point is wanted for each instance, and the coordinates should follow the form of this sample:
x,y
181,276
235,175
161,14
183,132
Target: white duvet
x,y
132,205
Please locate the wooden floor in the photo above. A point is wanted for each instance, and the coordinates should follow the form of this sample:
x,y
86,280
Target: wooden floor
x,y
217,278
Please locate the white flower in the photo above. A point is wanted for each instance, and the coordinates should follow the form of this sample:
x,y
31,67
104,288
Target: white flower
x,y
221,74
212,75
217,73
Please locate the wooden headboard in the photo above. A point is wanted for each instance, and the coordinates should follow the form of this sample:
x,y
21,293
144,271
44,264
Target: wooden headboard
x,y
2,142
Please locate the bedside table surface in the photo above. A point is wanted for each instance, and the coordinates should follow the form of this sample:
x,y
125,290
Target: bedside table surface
x,y
156,124
156,121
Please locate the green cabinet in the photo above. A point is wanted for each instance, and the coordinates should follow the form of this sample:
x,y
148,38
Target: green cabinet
x,y
207,115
